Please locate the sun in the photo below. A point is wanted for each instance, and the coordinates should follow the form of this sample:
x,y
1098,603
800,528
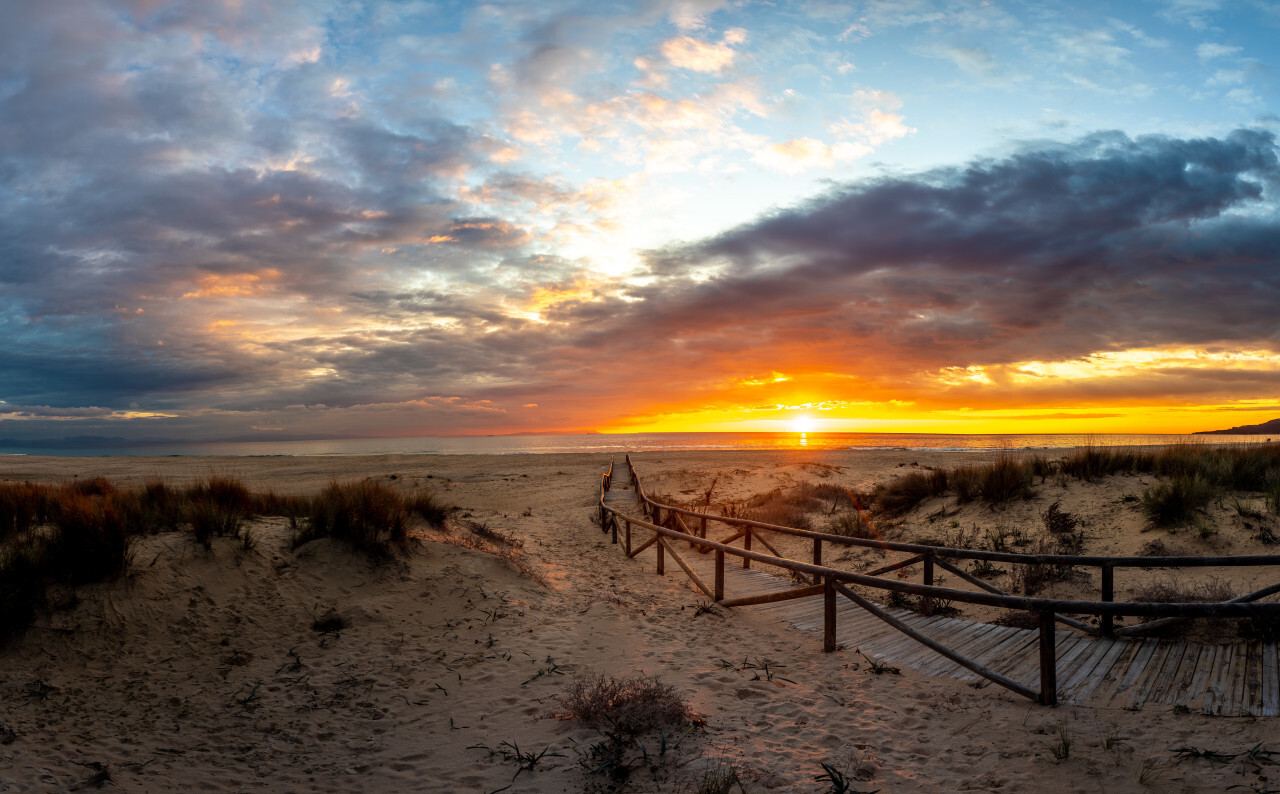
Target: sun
x,y
801,424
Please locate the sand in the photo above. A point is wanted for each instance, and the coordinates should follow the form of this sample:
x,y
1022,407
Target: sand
x,y
206,671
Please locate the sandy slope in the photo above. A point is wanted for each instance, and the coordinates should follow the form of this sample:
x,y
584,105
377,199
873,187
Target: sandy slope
x,y
203,672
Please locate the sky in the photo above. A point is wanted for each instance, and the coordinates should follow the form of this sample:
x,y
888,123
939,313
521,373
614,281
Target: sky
x,y
234,219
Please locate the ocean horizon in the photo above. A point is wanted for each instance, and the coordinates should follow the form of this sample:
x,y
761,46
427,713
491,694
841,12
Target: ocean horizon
x,y
614,443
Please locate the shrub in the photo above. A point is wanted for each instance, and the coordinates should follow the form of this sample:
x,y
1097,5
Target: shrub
x,y
1031,578
160,507
94,486
1005,479
1175,502
22,506
1059,521
966,481
210,519
225,492
1089,463
1172,591
900,496
1271,490
217,507
367,516
854,524
90,541
634,705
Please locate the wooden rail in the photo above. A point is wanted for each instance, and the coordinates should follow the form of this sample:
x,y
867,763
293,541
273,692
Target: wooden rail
x,y
667,525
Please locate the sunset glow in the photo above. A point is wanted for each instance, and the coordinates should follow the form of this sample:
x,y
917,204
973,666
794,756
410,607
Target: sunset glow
x,y
284,220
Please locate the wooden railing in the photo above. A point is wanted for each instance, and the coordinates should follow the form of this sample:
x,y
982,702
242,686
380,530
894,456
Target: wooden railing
x,y
668,525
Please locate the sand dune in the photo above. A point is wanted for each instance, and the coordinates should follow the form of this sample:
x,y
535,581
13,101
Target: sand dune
x,y
314,670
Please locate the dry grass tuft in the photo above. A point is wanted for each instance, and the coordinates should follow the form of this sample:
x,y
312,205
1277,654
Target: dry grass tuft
x,y
367,516
634,705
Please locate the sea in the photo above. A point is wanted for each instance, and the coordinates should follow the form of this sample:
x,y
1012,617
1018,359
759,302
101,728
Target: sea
x,y
617,442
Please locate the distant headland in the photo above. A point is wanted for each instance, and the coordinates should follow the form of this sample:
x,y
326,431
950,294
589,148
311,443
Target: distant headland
x,y
1264,429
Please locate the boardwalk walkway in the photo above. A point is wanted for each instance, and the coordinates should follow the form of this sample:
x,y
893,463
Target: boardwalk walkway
x,y
1228,680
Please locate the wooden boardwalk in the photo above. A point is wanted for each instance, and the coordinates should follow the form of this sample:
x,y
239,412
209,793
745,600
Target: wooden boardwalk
x,y
1226,680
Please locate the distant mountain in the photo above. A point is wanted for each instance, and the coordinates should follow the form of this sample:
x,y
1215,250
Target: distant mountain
x,y
1271,428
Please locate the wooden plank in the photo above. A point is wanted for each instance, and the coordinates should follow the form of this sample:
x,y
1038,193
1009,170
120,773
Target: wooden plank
x,y
1151,676
1271,679
1253,682
1107,677
944,630
1217,684
978,651
1029,669
887,634
1137,665
1233,703
1008,647
1167,678
1193,696
1084,665
990,641
1175,691
1067,644
1090,679
1021,646
963,644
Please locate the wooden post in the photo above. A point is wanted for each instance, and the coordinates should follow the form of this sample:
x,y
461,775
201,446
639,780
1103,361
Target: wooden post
x,y
828,614
704,527
613,520
746,544
926,602
662,559
817,551
627,537
719,575
1107,627
1048,659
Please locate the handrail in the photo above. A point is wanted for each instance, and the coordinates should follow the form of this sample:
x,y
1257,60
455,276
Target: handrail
x,y
1047,608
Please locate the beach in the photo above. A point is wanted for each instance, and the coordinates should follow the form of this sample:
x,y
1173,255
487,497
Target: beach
x,y
313,669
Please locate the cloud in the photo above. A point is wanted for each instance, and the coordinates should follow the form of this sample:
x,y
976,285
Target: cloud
x,y
1052,253
1208,51
700,56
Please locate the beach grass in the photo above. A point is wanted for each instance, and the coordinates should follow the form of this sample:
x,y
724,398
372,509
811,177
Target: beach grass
x,y
81,531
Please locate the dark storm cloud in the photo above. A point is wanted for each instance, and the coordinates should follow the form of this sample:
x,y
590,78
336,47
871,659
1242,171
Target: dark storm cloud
x,y
1052,253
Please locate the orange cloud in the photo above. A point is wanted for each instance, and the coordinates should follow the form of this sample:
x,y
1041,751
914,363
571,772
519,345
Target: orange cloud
x,y
234,285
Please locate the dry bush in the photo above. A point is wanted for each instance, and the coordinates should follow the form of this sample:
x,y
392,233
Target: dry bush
x,y
1091,463
367,516
1031,578
428,508
285,505
966,481
1176,501
93,486
1005,479
90,541
902,495
633,705
854,524
1172,591
23,506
